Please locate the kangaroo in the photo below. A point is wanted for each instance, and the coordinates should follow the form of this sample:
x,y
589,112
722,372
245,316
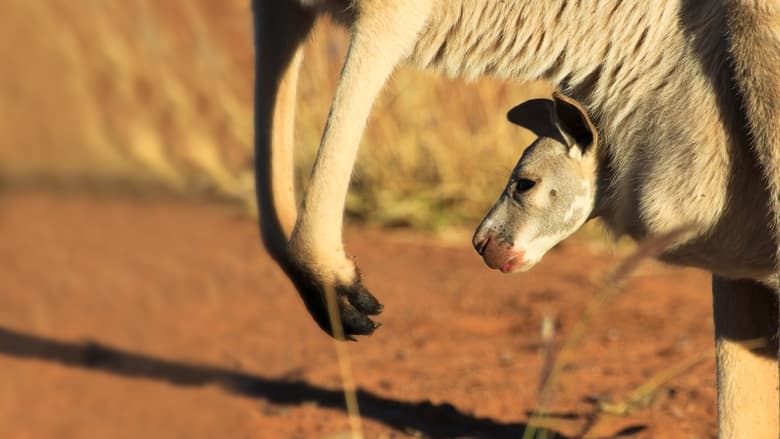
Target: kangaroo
x,y
683,94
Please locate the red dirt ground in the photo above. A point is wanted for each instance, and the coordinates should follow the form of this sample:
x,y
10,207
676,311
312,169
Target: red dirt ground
x,y
132,319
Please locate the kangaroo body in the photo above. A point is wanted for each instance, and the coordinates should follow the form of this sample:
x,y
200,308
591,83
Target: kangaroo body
x,y
682,93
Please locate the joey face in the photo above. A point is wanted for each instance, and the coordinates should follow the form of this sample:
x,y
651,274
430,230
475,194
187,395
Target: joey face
x,y
550,194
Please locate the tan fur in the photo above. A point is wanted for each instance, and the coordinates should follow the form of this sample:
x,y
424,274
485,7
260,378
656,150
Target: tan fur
x,y
661,79
755,47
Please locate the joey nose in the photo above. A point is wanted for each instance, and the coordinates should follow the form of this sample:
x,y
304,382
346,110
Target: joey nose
x,y
480,243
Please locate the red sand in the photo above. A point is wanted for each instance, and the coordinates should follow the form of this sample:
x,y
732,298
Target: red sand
x,y
125,319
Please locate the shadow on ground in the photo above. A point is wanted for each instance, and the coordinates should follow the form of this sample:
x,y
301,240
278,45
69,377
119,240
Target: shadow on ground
x,y
442,420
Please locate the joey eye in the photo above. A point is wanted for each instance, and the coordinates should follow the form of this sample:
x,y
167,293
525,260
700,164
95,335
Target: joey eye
x,y
522,185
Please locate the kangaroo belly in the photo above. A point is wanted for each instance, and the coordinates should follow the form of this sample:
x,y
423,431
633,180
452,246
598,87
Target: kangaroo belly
x,y
749,258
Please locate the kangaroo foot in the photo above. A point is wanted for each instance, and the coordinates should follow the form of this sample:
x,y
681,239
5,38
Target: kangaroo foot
x,y
355,302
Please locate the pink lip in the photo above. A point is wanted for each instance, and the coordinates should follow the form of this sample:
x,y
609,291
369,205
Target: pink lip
x,y
500,256
509,265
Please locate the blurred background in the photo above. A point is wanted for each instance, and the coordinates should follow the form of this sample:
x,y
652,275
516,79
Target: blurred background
x,y
149,96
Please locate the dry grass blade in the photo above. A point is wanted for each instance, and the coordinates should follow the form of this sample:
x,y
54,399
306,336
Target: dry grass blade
x,y
610,287
548,350
159,98
645,392
345,366
647,389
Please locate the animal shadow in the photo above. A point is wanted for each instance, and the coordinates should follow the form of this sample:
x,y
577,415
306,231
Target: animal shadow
x,y
422,418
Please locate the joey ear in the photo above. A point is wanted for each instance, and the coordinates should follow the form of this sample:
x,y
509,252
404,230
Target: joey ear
x,y
535,115
574,122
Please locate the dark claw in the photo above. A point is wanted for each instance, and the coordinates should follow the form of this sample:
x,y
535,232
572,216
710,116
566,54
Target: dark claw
x,y
361,298
355,303
355,322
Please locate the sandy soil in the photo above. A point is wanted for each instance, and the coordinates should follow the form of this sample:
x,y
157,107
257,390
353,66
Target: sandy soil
x,y
132,319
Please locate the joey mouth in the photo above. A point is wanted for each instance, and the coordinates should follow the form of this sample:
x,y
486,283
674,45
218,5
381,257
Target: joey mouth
x,y
510,265
500,256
